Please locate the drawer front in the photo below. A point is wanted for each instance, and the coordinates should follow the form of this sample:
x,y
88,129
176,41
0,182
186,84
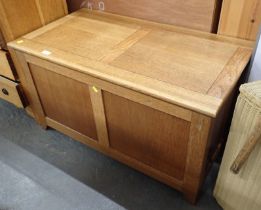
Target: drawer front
x,y
2,41
65,100
5,68
195,14
10,91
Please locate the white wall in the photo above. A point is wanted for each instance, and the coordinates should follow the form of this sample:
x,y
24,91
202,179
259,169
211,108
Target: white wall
x,y
255,73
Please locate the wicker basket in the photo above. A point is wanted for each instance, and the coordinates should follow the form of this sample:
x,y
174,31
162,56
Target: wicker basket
x,y
238,185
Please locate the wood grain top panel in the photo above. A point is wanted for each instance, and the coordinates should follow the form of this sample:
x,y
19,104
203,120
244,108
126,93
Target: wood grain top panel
x,y
85,37
177,59
173,64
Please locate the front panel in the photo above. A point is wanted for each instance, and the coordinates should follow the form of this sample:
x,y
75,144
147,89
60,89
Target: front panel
x,y
148,135
65,100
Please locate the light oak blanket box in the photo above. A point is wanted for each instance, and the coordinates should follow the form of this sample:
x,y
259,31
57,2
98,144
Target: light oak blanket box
x,y
152,96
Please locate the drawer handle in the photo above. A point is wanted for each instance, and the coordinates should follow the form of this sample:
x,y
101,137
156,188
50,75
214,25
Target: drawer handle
x,y
5,92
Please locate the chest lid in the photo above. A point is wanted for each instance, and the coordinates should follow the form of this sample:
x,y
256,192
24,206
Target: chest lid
x,y
196,70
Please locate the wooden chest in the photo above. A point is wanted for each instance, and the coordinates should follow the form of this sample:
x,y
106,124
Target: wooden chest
x,y
150,95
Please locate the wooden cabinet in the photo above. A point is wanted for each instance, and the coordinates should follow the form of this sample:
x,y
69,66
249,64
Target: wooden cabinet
x,y
20,17
196,14
152,96
16,19
240,18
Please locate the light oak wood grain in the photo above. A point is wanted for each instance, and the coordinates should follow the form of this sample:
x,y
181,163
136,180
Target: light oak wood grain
x,y
14,22
51,10
175,69
158,89
65,100
231,73
157,139
125,45
23,16
197,14
115,89
10,91
112,18
156,93
2,42
25,89
32,93
5,68
150,171
20,17
197,155
177,60
240,18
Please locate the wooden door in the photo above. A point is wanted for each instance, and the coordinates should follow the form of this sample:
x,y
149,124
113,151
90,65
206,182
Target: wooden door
x,y
148,135
65,100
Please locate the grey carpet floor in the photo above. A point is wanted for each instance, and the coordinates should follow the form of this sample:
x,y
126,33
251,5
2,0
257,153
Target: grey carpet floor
x,y
29,183
98,180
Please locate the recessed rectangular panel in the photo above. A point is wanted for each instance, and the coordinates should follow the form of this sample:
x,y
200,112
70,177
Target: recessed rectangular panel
x,y
65,100
148,135
85,37
178,59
